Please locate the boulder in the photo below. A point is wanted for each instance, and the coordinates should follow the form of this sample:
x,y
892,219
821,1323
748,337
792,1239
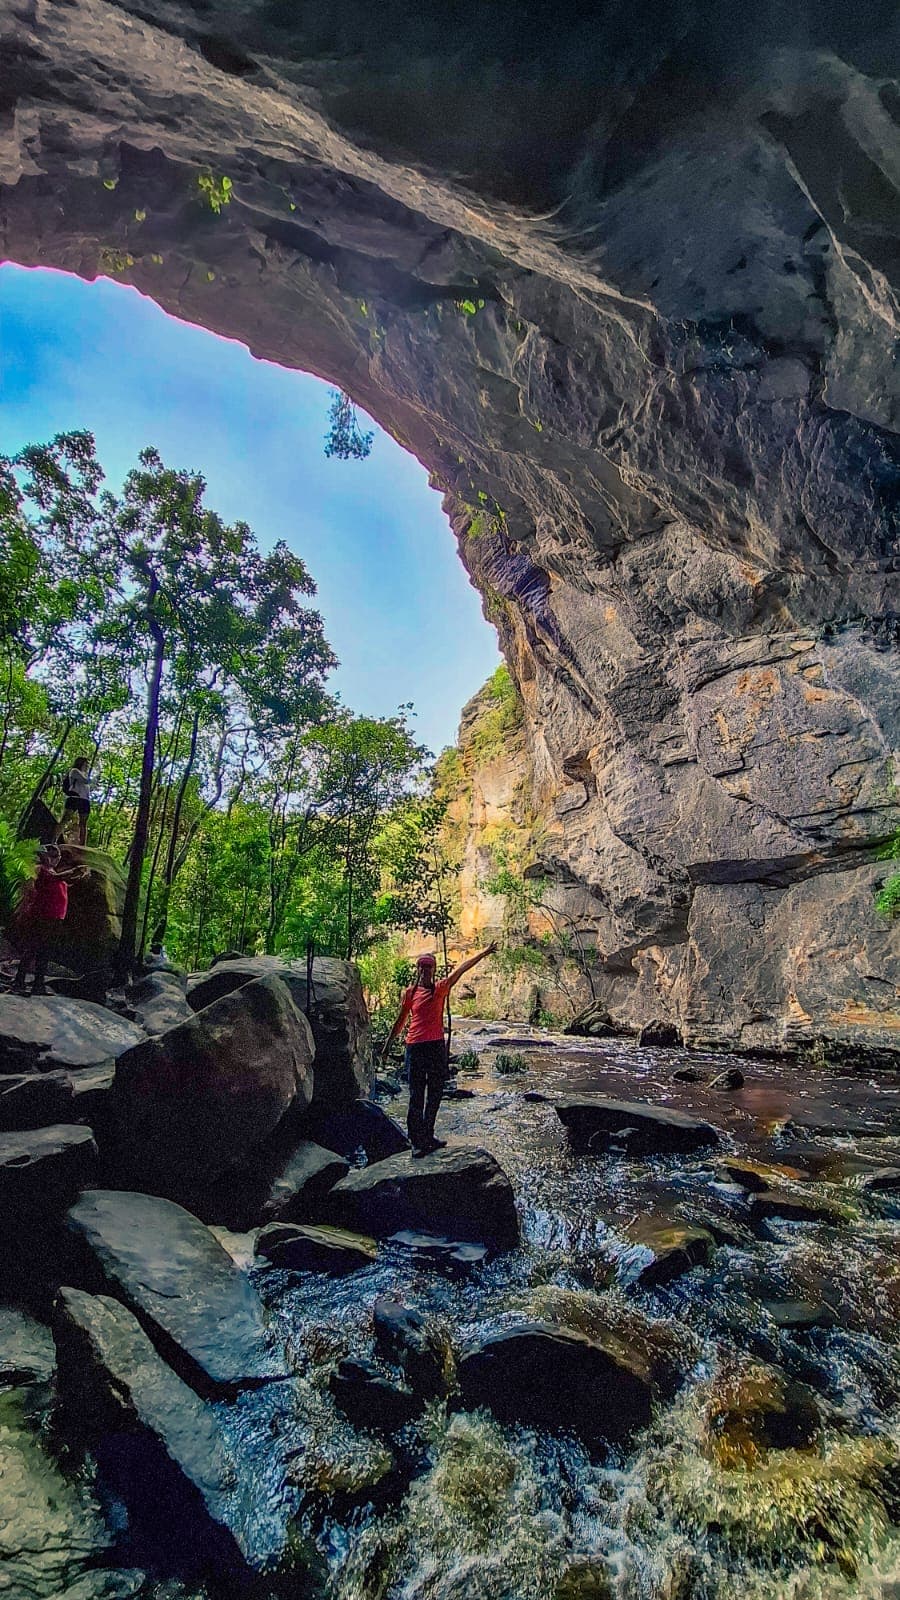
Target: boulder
x,y
731,1078
159,1446
370,1400
791,1207
35,1099
315,1249
552,1377
758,1175
675,1247
93,926
688,1075
457,1193
42,1169
193,1101
48,1032
594,1120
362,1125
661,1035
404,1336
308,1172
159,1000
198,1309
338,1015
594,1022
759,1409
798,1315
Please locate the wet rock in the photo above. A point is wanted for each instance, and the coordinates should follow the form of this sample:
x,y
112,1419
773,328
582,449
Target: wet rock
x,y
315,1249
758,1175
27,1351
404,1336
34,1099
49,1032
550,1377
199,1310
159,1000
42,1169
757,1410
675,1246
454,1092
661,1035
372,1401
337,1014
731,1078
92,1097
797,1315
157,1444
193,1101
359,1126
595,1120
790,1207
458,1193
534,1097
445,1254
688,1075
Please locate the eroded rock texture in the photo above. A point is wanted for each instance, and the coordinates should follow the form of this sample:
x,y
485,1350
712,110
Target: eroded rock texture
x,y
667,435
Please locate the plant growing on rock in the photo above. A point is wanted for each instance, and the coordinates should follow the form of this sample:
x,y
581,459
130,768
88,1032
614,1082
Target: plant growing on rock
x,y
887,900
215,192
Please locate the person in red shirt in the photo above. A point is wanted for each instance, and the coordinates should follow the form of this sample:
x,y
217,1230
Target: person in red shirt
x,y
41,916
422,1014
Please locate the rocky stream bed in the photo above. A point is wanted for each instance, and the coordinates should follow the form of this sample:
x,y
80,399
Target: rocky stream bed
x,y
667,1370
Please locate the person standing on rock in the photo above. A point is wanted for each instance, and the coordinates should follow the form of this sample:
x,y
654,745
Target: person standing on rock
x,y
40,918
426,1049
77,791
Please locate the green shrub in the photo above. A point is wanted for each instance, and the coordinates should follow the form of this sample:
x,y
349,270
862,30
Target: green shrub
x,y
17,866
468,1061
509,1062
887,900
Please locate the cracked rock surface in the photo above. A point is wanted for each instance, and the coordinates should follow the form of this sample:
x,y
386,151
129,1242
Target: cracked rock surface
x,y
627,287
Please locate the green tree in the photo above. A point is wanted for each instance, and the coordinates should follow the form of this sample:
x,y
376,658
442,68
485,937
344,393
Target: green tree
x,y
345,438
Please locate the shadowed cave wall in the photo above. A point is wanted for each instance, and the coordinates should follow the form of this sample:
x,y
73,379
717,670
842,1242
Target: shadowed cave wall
x,y
624,280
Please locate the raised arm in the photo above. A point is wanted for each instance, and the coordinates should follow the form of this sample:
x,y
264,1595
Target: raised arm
x,y
466,966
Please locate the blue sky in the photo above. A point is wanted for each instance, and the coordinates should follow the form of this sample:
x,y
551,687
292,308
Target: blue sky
x,y
399,610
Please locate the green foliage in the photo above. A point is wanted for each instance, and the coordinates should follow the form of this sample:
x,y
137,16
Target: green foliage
x,y
215,191
469,308
887,900
345,438
509,1062
17,868
501,716
467,1061
116,261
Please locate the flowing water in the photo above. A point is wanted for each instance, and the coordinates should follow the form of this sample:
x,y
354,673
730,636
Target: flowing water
x,y
696,1508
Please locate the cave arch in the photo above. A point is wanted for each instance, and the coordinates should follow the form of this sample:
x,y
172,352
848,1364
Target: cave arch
x,y
628,290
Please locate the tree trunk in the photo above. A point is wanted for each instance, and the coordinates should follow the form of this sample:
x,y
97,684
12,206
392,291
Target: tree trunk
x,y
47,774
127,948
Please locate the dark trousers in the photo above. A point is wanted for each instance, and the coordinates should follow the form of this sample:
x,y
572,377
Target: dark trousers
x,y
427,1067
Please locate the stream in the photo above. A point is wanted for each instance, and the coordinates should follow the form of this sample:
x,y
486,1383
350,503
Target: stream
x,y
700,1506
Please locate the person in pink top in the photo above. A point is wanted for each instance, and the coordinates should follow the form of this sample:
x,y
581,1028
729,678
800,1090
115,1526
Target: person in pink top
x,y
41,916
422,1014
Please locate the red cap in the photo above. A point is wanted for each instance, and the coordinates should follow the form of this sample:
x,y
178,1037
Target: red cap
x,y
427,960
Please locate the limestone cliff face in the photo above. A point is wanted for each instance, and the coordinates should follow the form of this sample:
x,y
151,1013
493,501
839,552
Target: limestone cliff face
x,y
627,285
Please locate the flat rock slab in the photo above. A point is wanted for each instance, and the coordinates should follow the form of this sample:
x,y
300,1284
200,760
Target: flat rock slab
x,y
315,1249
162,1446
554,1378
159,1001
171,1271
47,1032
42,1169
457,1193
791,1207
594,1120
